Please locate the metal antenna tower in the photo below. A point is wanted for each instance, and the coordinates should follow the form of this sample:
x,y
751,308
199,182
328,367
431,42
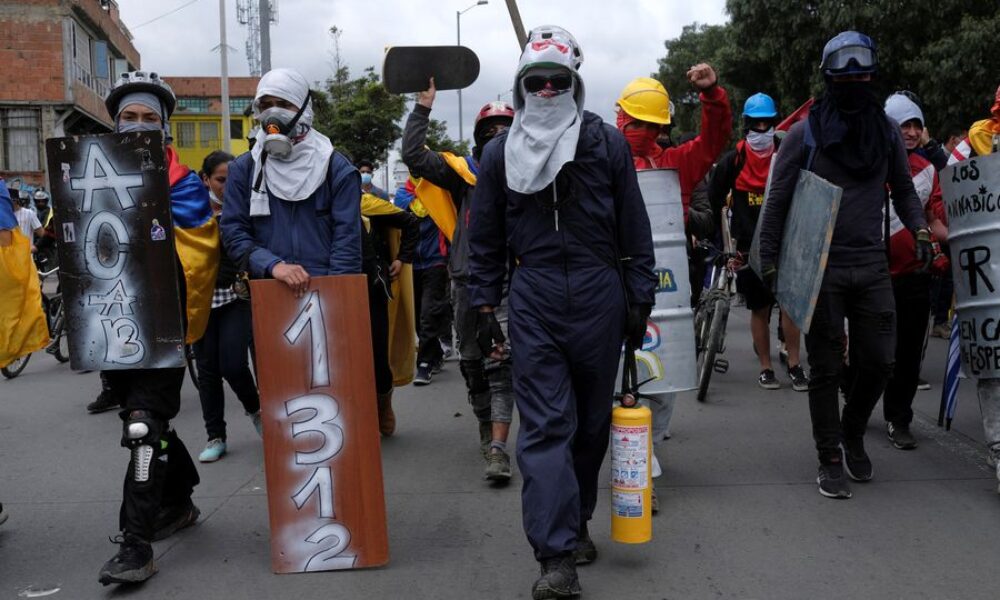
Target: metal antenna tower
x,y
248,13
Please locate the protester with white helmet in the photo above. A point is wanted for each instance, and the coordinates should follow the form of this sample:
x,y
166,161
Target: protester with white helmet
x,y
558,197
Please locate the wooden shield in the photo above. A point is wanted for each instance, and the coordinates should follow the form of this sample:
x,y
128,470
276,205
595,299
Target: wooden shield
x,y
321,439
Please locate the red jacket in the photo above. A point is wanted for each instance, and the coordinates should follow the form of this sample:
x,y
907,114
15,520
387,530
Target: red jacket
x,y
694,158
902,246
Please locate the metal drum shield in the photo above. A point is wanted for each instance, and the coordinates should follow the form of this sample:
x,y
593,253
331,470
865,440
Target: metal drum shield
x,y
667,359
805,245
971,191
118,266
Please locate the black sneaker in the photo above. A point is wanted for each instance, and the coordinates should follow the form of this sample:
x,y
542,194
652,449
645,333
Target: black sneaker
x,y
424,374
923,385
900,436
654,502
437,366
586,550
558,579
856,461
832,482
800,383
105,401
133,563
767,380
171,520
3,514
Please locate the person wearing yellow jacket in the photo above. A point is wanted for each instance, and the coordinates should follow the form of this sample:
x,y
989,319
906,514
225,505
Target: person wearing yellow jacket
x,y
22,321
161,475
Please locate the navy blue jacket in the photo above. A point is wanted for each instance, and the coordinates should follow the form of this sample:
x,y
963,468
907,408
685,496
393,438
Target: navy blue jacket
x,y
432,248
605,209
321,233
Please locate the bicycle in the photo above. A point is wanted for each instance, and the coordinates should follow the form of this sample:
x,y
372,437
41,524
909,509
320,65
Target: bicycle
x,y
52,306
712,313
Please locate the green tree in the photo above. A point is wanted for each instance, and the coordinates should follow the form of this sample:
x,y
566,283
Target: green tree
x,y
944,50
438,140
697,43
358,115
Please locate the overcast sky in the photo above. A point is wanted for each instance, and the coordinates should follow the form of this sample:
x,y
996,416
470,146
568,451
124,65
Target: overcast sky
x,y
621,39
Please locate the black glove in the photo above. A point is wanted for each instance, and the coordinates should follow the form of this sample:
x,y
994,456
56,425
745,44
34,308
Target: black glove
x,y
635,324
925,249
769,275
488,332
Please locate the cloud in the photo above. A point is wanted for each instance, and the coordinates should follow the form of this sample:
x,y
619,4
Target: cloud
x,y
621,39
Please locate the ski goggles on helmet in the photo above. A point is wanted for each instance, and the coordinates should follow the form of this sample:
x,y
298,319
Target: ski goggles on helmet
x,y
851,59
536,83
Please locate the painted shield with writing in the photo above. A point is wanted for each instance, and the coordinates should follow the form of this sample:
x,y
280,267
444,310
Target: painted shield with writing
x,y
321,442
971,191
805,245
667,360
118,267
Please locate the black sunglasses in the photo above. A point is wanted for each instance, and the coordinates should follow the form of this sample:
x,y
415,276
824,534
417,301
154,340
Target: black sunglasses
x,y
536,83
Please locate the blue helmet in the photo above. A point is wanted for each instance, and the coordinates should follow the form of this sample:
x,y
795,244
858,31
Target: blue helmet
x,y
760,106
849,53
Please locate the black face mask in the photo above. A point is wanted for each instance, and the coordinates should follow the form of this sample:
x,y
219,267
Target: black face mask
x,y
852,96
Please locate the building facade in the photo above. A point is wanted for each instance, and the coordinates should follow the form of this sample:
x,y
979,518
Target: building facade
x,y
58,58
196,125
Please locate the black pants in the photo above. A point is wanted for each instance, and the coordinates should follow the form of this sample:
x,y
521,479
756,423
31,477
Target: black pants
x,y
430,295
222,354
912,295
862,295
172,472
378,308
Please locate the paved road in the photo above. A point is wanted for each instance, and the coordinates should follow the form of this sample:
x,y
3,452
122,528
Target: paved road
x,y
740,517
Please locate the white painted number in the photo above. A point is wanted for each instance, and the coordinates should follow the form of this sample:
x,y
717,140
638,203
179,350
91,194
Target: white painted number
x,y
323,421
312,315
331,557
321,483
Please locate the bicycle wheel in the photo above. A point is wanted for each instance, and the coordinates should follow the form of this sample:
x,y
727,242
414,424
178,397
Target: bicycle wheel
x,y
192,370
713,343
14,369
61,339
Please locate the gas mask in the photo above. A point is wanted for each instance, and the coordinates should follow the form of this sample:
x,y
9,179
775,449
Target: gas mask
x,y
280,126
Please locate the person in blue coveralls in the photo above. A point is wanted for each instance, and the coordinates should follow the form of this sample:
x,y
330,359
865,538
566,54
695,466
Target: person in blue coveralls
x,y
293,204
559,190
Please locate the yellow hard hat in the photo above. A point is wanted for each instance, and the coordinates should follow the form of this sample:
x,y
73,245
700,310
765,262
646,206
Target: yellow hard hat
x,y
646,99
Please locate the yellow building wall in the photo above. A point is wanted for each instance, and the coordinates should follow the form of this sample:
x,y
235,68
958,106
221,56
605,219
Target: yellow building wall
x,y
198,135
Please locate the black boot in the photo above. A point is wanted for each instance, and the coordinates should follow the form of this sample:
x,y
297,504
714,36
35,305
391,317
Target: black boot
x,y
132,564
172,519
586,551
106,400
558,579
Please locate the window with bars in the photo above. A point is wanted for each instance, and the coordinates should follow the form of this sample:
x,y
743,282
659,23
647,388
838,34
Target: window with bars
x,y
198,105
238,105
208,135
235,129
184,134
19,140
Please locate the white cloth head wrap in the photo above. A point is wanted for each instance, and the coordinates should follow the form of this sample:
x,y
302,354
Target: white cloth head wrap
x,y
297,176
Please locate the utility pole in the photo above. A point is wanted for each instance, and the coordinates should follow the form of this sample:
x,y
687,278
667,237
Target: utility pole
x,y
458,36
224,54
515,19
265,36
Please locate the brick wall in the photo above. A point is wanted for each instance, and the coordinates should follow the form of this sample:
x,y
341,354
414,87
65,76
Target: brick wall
x,y
31,52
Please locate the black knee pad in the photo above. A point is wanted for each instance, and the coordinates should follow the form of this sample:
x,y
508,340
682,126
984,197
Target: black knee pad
x,y
143,434
474,374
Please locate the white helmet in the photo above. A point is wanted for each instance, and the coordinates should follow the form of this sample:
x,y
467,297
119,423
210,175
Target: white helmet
x,y
141,81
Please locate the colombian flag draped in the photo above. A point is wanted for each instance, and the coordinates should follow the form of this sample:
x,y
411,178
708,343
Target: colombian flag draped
x,y
196,237
438,201
23,329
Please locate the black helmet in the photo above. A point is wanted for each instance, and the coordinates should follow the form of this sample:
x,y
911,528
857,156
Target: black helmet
x,y
141,81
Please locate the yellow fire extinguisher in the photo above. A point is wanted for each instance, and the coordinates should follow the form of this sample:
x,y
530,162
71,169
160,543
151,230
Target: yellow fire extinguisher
x,y
631,461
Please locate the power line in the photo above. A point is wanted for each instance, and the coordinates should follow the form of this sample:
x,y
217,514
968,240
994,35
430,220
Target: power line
x,y
166,14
